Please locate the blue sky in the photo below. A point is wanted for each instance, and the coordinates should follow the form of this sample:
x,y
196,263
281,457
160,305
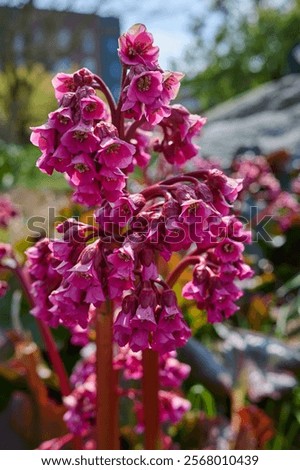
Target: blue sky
x,y
168,21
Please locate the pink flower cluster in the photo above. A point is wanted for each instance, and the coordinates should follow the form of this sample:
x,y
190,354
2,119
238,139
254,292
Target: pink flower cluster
x,y
151,320
118,255
296,185
85,137
213,285
285,209
6,254
7,211
80,141
7,261
81,404
44,279
147,90
260,183
96,144
178,131
258,179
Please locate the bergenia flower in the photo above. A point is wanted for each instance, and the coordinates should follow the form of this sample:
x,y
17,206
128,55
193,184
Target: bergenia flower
x,y
136,47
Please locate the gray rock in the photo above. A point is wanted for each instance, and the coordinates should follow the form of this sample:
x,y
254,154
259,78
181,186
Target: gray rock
x,y
267,117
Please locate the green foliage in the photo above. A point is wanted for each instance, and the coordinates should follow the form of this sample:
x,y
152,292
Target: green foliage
x,y
250,47
26,97
18,167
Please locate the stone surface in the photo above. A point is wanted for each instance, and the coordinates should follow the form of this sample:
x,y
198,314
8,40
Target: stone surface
x,y
267,117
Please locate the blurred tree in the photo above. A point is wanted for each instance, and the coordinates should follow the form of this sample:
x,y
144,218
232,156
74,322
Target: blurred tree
x,y
240,45
25,86
26,94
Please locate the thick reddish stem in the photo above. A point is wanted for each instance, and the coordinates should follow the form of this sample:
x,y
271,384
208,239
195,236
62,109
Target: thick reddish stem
x,y
133,128
175,274
55,359
107,93
154,191
167,185
49,342
107,398
150,386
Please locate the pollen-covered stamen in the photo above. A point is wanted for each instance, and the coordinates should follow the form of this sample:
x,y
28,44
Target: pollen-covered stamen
x,y
80,135
81,167
193,208
144,83
124,257
125,210
63,119
90,107
84,275
131,51
113,148
228,247
70,85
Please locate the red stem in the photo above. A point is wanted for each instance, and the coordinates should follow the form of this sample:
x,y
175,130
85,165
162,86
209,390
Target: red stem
x,y
154,191
150,386
49,342
167,184
107,430
107,93
174,275
133,128
119,116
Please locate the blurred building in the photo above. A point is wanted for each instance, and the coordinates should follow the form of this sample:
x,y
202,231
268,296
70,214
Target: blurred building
x,y
60,40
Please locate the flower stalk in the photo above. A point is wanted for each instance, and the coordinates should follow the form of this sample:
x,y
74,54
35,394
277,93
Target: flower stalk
x,y
107,429
150,386
49,342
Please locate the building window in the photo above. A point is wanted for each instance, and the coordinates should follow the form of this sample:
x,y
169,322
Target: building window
x,y
90,63
115,89
88,42
114,69
18,43
62,65
38,35
63,38
111,44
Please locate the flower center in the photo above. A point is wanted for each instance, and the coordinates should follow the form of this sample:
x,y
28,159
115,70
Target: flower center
x,y
81,167
131,51
192,208
144,83
125,210
124,257
63,119
84,275
113,148
80,135
90,107
228,248
70,85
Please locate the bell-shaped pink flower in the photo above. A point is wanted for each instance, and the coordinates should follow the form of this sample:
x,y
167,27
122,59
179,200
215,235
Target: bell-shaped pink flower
x,y
136,47
115,153
122,324
80,138
229,250
145,87
92,107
